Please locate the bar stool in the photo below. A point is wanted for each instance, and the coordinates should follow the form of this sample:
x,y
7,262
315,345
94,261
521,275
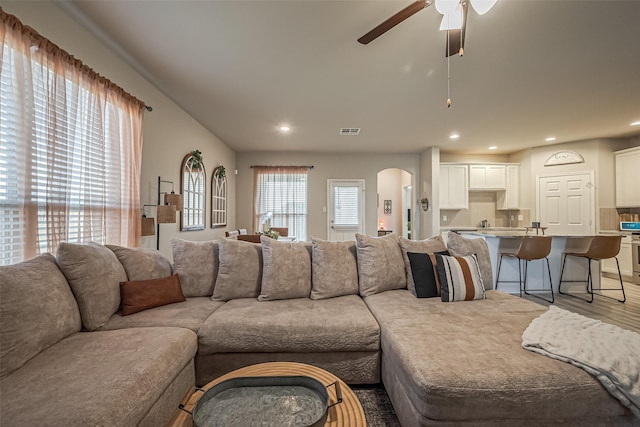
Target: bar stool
x,y
600,247
531,248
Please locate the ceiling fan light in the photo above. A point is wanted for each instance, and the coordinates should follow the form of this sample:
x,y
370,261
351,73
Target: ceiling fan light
x,y
482,6
446,7
452,21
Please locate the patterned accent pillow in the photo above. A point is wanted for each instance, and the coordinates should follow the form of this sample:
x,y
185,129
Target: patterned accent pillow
x,y
425,276
460,278
462,246
139,295
380,265
334,269
430,245
286,272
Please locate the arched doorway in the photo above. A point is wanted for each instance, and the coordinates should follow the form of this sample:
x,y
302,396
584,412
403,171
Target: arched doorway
x,y
395,193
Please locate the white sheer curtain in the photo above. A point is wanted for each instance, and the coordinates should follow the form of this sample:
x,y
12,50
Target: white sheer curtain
x,y
280,195
70,152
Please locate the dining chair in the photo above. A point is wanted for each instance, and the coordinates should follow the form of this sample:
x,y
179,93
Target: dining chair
x,y
531,248
600,247
231,233
253,238
282,231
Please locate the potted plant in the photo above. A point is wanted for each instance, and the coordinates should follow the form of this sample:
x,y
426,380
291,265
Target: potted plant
x,y
425,204
195,161
220,172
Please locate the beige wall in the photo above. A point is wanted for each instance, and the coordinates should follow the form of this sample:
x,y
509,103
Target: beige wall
x,y
326,166
169,132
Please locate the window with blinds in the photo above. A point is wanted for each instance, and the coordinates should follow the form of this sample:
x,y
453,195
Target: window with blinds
x,y
64,175
346,206
281,199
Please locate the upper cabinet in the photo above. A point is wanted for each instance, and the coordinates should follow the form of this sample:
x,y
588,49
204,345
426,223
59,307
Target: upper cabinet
x,y
627,188
487,177
510,197
454,186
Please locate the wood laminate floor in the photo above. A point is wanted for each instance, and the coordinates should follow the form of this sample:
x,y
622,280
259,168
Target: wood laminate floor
x,y
626,315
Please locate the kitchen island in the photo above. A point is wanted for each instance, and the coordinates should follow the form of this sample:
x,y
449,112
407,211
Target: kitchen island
x,y
500,240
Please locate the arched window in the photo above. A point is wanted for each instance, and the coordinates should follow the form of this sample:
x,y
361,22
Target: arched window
x,y
193,183
218,197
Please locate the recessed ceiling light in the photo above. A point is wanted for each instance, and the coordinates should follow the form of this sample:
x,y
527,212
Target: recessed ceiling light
x,y
551,138
636,123
285,128
454,136
493,147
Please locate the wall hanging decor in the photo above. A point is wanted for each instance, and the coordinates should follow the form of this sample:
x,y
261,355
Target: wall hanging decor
x,y
424,202
219,197
193,184
387,207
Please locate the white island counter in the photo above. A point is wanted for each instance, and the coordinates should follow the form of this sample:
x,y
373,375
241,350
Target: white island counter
x,y
575,268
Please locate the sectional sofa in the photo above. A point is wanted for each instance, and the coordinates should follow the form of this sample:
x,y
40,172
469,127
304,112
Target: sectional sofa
x,y
70,357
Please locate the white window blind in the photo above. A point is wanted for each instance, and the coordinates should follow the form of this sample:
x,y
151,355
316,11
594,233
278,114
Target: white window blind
x,y
66,170
281,199
346,206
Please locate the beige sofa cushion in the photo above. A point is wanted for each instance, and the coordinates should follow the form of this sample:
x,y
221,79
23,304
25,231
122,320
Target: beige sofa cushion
x,y
460,359
142,263
197,265
299,325
334,269
380,265
240,270
462,246
37,309
94,273
110,378
427,246
286,271
189,314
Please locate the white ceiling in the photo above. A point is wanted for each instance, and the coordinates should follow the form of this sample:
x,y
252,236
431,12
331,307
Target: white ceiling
x,y
531,69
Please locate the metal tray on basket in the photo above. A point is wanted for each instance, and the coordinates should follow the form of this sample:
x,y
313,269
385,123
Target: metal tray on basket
x,y
283,401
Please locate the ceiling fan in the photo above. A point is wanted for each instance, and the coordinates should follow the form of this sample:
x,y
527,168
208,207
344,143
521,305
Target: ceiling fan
x,y
454,20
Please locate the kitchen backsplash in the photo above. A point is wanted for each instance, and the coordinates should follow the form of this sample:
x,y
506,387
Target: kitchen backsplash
x,y
482,205
610,217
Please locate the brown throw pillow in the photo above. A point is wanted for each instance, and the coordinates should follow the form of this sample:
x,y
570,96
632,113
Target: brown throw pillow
x,y
139,295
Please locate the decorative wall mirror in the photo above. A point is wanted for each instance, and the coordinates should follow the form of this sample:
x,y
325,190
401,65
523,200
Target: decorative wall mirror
x,y
193,183
219,197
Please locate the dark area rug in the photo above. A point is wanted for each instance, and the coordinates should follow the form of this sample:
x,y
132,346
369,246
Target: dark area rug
x,y
377,406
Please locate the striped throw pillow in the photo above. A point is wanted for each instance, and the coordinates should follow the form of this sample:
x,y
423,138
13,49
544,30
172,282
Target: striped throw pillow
x,y
460,278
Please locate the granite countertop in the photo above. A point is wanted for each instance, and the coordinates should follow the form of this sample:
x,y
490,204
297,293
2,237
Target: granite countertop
x,y
505,233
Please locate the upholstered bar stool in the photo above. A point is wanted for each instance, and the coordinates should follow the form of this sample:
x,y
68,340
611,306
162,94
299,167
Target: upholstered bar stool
x,y
600,247
531,248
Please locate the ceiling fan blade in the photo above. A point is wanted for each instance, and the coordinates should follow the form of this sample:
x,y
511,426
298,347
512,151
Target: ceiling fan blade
x,y
455,38
405,13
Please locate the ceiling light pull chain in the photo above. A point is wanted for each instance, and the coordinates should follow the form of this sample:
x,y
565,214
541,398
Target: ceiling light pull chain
x,y
448,74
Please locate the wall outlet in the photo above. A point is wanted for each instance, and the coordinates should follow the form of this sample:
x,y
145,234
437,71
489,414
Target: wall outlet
x,y
520,217
512,218
444,217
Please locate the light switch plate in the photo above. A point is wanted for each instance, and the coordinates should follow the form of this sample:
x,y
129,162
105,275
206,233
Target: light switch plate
x,y
520,217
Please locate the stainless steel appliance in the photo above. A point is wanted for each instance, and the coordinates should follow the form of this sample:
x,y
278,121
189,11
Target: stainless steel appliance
x,y
635,257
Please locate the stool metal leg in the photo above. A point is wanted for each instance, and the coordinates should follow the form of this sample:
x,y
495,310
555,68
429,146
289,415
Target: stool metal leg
x,y
624,296
589,283
527,291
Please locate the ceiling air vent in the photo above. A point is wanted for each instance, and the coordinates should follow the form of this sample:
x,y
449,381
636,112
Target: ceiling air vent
x,y
349,131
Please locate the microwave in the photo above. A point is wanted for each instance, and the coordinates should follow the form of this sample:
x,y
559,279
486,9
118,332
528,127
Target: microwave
x,y
629,226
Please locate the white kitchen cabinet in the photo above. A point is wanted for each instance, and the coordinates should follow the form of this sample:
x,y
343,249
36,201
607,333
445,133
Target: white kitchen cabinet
x,y
624,258
454,186
627,188
510,197
487,177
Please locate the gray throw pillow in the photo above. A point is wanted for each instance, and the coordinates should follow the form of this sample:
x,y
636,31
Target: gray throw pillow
x,y
240,270
286,270
462,246
334,269
142,263
428,246
380,264
37,309
94,274
197,266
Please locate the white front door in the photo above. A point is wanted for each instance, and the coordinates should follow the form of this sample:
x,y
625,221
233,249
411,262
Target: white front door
x,y
566,203
346,208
